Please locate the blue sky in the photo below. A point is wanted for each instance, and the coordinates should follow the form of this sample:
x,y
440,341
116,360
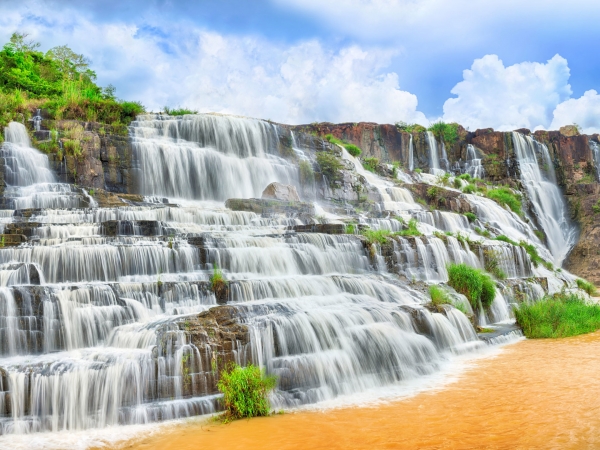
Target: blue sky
x,y
505,64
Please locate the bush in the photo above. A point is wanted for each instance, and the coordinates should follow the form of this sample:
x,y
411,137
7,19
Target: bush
x,y
245,391
473,283
446,131
218,283
439,296
469,189
376,236
457,183
410,127
466,177
470,216
179,111
351,148
586,286
559,316
505,196
330,167
370,164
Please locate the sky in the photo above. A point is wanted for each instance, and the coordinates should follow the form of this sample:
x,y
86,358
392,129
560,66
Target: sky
x,y
504,64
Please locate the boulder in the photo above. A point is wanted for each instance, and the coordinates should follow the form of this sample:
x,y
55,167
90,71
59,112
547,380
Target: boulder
x,y
569,130
278,191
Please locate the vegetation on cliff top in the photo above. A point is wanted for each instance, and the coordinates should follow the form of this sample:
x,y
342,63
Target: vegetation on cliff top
x,y
245,392
351,148
59,81
561,315
448,132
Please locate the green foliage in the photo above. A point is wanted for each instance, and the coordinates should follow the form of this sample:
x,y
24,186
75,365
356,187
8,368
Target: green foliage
x,y
351,228
307,174
504,196
483,231
370,164
531,249
439,296
217,280
330,167
470,216
596,207
561,315
418,170
72,147
433,192
410,127
376,236
245,391
446,131
179,111
586,286
506,239
469,189
59,81
411,229
492,263
457,183
466,177
473,283
351,148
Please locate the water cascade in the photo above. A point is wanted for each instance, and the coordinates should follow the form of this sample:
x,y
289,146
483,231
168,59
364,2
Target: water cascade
x,y
547,200
595,148
99,310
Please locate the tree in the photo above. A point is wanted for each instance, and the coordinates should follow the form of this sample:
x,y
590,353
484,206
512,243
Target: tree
x,y
70,62
19,43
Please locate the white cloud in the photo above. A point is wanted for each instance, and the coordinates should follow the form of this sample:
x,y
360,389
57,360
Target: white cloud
x,y
506,98
584,111
248,76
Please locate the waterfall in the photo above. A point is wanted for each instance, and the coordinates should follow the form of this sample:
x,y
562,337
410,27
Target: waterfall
x,y
546,197
473,164
595,148
207,157
411,162
434,162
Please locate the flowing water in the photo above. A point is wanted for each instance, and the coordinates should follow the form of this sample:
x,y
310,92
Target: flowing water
x,y
93,321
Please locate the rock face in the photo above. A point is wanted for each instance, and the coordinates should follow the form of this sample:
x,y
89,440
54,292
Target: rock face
x,y
278,191
266,207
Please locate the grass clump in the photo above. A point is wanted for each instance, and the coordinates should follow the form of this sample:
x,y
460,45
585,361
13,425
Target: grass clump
x,y
448,132
351,148
370,164
473,283
505,196
376,236
410,127
411,229
218,284
470,216
586,286
330,167
561,315
469,188
466,177
179,111
245,392
439,296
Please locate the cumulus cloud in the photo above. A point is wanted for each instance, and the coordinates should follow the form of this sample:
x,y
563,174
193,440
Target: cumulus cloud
x,y
244,75
584,111
523,95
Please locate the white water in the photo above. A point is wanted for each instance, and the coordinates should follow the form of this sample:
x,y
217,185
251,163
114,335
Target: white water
x,y
547,199
102,341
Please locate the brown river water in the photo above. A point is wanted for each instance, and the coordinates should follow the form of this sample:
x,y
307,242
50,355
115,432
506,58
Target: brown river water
x,y
536,394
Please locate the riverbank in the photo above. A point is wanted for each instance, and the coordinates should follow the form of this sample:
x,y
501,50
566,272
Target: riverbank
x,y
537,394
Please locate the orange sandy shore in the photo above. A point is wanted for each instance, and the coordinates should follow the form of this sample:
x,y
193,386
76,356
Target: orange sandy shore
x,y
542,394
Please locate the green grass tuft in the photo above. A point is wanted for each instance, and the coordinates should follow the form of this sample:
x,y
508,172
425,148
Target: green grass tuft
x,y
439,296
473,283
469,189
376,236
586,286
245,392
370,164
559,316
505,196
179,111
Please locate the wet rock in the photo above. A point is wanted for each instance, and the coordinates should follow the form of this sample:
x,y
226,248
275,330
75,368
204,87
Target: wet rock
x,y
323,228
268,207
278,191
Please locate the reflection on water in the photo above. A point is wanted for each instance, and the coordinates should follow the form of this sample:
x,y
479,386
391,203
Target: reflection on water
x,y
535,395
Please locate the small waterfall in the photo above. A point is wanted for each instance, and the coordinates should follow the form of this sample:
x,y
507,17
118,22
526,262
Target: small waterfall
x,y
411,161
595,148
434,161
546,197
473,164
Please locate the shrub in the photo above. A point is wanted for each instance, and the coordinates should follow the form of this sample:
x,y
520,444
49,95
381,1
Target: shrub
x,y
473,283
469,189
376,236
439,296
457,183
446,131
411,229
465,176
410,127
330,167
470,216
351,228
353,149
586,286
245,391
72,147
418,170
179,111
558,316
443,179
370,164
505,196
218,283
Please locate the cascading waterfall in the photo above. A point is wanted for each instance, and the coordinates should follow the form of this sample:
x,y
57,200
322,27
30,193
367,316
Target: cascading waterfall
x,y
595,148
434,159
473,164
547,200
411,151
95,309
